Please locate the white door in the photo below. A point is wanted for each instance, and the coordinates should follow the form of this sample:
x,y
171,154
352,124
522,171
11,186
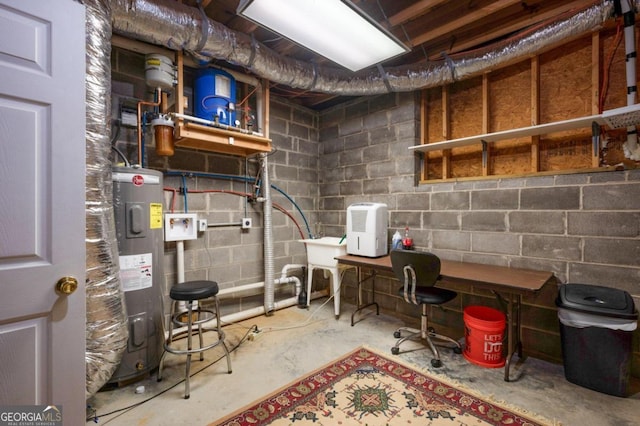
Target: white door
x,y
42,212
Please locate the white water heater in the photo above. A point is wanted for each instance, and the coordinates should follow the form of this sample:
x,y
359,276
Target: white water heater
x,y
137,204
367,225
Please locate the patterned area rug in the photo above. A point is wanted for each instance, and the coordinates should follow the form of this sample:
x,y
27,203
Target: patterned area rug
x,y
366,388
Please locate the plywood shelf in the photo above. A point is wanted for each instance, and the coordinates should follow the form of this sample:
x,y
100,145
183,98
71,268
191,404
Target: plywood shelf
x,y
618,117
212,139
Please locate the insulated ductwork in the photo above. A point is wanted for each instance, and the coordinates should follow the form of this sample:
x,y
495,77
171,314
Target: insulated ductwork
x,y
177,26
269,283
107,332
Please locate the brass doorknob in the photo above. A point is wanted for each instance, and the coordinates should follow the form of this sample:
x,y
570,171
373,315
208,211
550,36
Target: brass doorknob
x,y
67,285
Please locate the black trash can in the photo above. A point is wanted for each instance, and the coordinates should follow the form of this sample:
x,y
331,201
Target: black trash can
x,y
596,327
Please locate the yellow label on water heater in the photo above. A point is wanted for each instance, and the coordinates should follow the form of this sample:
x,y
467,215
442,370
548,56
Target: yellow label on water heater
x,y
155,215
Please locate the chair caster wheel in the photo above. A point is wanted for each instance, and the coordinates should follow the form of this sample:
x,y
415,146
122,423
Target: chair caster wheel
x,y
395,351
397,334
436,363
457,350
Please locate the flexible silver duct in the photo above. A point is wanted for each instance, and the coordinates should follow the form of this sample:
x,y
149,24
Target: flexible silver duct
x,y
269,267
177,26
107,328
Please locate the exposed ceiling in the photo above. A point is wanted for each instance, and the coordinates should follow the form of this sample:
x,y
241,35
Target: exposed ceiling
x,y
433,29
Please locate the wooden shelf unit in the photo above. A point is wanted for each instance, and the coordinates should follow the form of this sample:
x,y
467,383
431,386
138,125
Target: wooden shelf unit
x,y
205,138
606,118
213,139
455,137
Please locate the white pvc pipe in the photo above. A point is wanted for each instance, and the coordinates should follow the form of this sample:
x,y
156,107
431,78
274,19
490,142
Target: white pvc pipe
x,y
180,260
260,285
180,271
254,312
197,119
631,145
291,267
260,310
295,280
250,313
214,124
240,288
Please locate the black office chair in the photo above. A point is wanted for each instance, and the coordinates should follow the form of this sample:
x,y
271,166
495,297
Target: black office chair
x,y
419,271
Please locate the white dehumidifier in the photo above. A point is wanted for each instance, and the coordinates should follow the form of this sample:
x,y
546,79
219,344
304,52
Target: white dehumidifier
x,y
367,225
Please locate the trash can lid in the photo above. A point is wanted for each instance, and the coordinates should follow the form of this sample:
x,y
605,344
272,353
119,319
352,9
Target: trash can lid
x,y
593,299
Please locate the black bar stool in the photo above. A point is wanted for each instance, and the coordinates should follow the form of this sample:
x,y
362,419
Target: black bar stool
x,y
193,319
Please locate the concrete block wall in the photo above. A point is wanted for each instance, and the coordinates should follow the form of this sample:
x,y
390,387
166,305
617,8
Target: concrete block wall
x,y
585,228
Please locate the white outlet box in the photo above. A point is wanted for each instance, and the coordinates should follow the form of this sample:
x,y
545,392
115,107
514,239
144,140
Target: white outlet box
x,y
180,226
202,225
246,222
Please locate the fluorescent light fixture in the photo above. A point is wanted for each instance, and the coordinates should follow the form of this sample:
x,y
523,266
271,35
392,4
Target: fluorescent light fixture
x,y
335,29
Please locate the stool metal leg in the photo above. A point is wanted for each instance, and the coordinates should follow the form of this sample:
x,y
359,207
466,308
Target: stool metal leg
x,y
221,334
200,334
167,341
189,347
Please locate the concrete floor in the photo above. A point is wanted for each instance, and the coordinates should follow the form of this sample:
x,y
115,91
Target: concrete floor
x,y
295,341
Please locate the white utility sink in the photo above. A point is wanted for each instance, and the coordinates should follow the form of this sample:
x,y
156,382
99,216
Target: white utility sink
x,y
322,251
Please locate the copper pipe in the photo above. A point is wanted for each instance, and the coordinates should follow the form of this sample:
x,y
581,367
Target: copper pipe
x,y
159,96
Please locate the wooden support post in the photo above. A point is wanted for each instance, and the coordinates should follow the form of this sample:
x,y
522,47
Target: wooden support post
x,y
595,90
446,133
595,140
180,85
485,124
485,147
535,113
243,108
423,133
265,108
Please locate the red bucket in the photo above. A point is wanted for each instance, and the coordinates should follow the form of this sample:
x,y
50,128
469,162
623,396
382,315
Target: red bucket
x,y
483,335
